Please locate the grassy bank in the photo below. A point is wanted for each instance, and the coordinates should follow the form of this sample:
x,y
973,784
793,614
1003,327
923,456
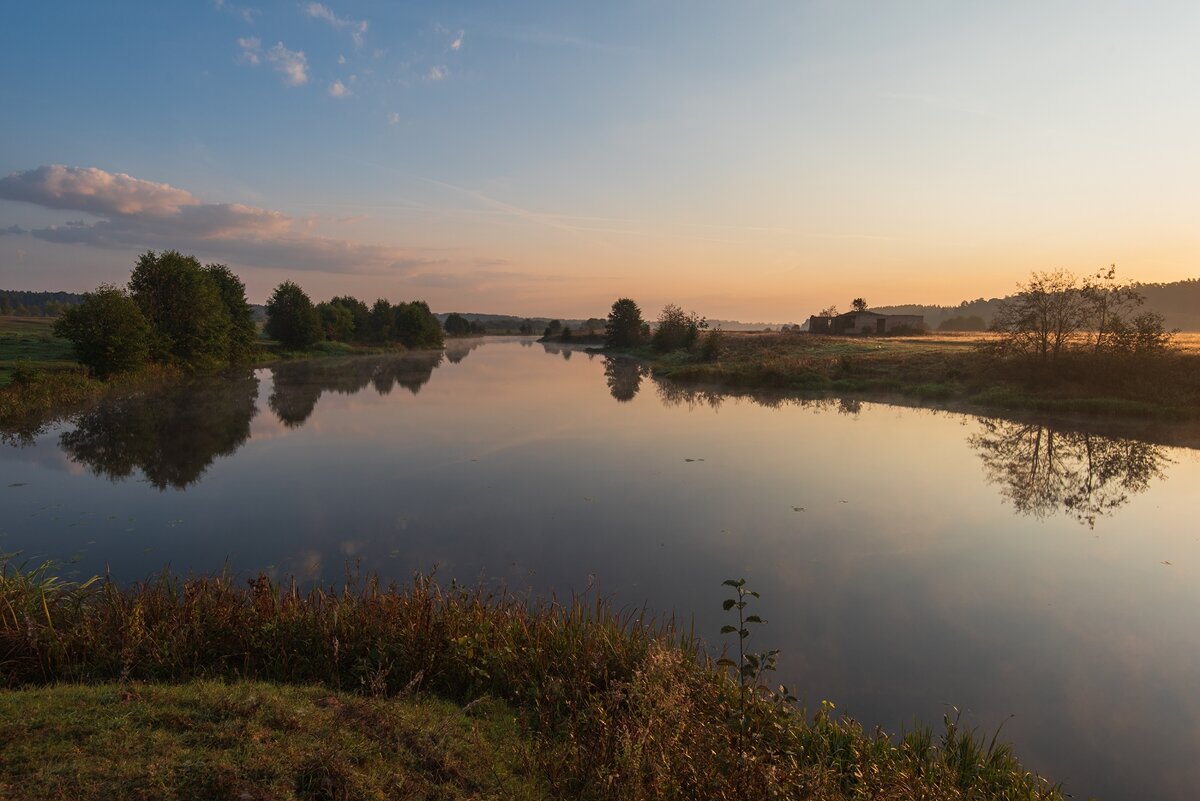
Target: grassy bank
x,y
944,369
208,740
608,704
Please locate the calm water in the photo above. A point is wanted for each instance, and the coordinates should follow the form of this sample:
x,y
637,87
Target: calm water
x,y
909,560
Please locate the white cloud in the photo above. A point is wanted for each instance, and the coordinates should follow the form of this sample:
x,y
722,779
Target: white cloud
x,y
394,118
358,28
138,214
456,45
338,89
438,73
251,50
341,59
94,191
290,63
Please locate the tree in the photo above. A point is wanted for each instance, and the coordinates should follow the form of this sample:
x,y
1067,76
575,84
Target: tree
x,y
337,321
381,321
1117,328
243,334
415,326
360,314
292,319
108,331
858,305
555,327
457,326
625,326
183,304
676,329
1041,319
828,311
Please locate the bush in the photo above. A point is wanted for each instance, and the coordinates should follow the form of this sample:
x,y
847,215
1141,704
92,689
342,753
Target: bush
x,y
676,329
107,331
183,303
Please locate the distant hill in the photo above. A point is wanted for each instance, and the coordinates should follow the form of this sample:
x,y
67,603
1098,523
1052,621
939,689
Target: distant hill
x,y
1178,302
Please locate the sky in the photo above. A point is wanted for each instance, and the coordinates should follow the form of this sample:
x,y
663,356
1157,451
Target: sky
x,y
753,160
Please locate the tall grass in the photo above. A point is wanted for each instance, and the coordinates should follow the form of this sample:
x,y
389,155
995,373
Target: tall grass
x,y
618,706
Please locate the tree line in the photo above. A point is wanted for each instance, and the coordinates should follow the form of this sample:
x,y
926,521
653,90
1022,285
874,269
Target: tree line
x,y
178,312
674,330
36,304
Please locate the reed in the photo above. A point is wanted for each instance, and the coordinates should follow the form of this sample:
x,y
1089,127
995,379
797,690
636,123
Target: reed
x,y
615,703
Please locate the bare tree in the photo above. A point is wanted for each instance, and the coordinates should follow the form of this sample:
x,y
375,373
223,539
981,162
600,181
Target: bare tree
x,y
1044,316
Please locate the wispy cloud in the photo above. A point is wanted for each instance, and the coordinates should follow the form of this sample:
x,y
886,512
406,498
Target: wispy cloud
x,y
358,28
290,63
393,118
251,50
247,13
438,73
338,89
457,44
136,213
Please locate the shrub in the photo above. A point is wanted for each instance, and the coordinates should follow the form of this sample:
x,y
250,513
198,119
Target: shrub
x,y
292,319
107,331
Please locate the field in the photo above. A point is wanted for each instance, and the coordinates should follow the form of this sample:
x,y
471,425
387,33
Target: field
x,y
30,340
947,368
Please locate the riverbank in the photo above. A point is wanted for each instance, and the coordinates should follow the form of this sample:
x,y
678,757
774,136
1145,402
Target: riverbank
x,y
204,740
607,704
943,369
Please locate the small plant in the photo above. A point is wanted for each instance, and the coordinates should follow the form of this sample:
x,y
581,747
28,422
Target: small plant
x,y
750,666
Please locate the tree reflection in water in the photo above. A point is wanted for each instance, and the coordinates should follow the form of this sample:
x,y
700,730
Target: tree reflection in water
x,y
297,386
624,377
171,435
1042,471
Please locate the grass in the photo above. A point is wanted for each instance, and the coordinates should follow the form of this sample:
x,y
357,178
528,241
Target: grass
x,y
947,369
609,704
205,740
29,341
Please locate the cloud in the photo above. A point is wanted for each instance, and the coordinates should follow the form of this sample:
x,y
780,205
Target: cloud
x,y
341,59
456,45
438,73
247,13
290,63
358,28
394,118
140,214
251,50
338,89
12,230
94,191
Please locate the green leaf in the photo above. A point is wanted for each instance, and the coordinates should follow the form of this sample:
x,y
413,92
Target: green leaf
x,y
728,604
744,632
755,619
728,629
733,582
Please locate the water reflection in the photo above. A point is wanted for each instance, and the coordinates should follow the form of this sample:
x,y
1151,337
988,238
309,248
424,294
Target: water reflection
x,y
171,435
1042,471
624,377
298,385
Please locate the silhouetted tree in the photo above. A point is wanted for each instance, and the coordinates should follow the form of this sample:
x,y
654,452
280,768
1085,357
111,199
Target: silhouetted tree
x,y
625,327
676,329
456,325
858,305
623,376
292,319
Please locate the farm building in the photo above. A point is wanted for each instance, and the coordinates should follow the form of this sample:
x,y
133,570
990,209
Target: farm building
x,y
866,322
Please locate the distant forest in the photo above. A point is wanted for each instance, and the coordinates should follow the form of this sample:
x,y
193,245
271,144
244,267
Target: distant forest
x,y
36,304
1178,302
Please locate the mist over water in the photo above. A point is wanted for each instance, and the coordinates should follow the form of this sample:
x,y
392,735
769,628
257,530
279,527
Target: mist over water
x,y
1040,576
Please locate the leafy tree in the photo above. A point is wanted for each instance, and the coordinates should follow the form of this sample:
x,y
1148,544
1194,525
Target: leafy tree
x,y
566,333
183,304
291,318
415,326
107,330
676,329
360,314
381,321
337,321
457,326
625,327
828,311
858,305
243,334
555,327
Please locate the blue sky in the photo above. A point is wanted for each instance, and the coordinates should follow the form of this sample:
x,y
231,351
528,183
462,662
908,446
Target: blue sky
x,y
751,160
